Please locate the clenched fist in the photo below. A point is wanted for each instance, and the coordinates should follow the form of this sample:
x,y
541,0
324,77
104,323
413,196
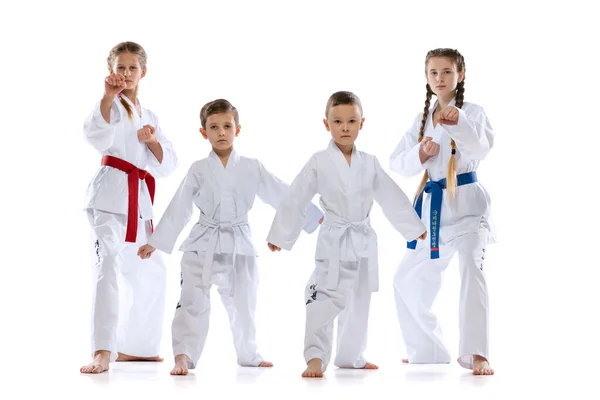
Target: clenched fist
x,y
147,134
114,84
429,147
145,251
272,247
448,116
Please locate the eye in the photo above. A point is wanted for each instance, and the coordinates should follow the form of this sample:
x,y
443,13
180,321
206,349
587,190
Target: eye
x,y
352,121
213,127
227,126
337,121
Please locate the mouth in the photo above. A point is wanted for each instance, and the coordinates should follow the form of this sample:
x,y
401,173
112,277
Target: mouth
x,y
128,81
441,86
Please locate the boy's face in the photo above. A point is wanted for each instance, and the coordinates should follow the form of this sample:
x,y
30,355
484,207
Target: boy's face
x,y
344,122
220,130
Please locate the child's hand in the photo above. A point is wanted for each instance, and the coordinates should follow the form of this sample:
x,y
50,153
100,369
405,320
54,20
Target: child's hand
x,y
145,251
423,236
429,147
272,247
114,84
449,116
147,134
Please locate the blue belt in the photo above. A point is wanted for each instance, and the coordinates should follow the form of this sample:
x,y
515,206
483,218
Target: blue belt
x,y
436,189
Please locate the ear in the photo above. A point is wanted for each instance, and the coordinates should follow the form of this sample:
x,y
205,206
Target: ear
x,y
461,76
143,72
362,121
203,132
326,124
237,130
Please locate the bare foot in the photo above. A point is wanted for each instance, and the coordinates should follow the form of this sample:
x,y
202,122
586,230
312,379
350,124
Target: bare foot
x,y
265,364
181,363
481,366
313,369
127,357
99,364
405,360
370,366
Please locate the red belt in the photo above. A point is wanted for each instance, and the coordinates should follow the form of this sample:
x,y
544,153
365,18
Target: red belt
x,y
134,174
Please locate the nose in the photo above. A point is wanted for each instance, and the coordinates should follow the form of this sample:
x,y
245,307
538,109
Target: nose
x,y
221,132
345,128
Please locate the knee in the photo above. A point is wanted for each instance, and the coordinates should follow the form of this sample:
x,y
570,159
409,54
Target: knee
x,y
402,277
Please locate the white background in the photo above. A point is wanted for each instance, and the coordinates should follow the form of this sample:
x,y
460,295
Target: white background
x,y
532,65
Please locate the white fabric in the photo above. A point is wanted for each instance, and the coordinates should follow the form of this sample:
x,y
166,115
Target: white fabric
x,y
347,194
350,303
191,321
224,195
129,293
416,285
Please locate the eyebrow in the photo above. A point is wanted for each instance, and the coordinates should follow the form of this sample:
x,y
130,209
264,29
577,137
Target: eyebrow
x,y
443,69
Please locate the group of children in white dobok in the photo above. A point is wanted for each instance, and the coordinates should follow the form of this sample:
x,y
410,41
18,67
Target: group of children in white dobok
x,y
451,211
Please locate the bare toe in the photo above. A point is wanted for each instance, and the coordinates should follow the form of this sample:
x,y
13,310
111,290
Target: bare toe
x,y
266,364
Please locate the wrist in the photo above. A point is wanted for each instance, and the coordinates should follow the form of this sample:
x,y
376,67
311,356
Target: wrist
x,y
108,99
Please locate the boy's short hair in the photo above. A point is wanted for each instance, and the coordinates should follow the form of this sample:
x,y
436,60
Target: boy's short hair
x,y
218,106
340,98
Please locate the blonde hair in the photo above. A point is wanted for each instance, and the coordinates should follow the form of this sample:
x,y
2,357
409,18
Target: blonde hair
x,y
459,61
139,52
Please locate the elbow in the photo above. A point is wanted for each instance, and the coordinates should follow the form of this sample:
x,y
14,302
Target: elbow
x,y
400,166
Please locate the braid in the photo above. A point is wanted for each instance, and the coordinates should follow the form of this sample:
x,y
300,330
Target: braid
x,y
420,137
127,107
451,174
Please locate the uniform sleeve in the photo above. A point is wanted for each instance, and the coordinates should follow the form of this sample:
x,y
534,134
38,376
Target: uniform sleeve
x,y
472,134
99,133
169,161
178,213
272,190
405,159
396,206
291,214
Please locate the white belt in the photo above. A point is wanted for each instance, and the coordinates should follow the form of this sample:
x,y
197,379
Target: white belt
x,y
212,244
343,225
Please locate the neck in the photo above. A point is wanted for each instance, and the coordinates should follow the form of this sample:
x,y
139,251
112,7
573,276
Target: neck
x,y
443,102
345,148
131,95
223,155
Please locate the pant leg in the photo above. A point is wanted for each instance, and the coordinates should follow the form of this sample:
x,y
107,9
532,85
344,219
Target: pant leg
x,y
353,322
417,282
473,306
108,232
323,306
143,299
240,305
189,328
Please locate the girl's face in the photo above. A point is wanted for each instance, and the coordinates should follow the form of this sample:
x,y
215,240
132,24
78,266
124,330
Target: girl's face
x,y
442,76
127,65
